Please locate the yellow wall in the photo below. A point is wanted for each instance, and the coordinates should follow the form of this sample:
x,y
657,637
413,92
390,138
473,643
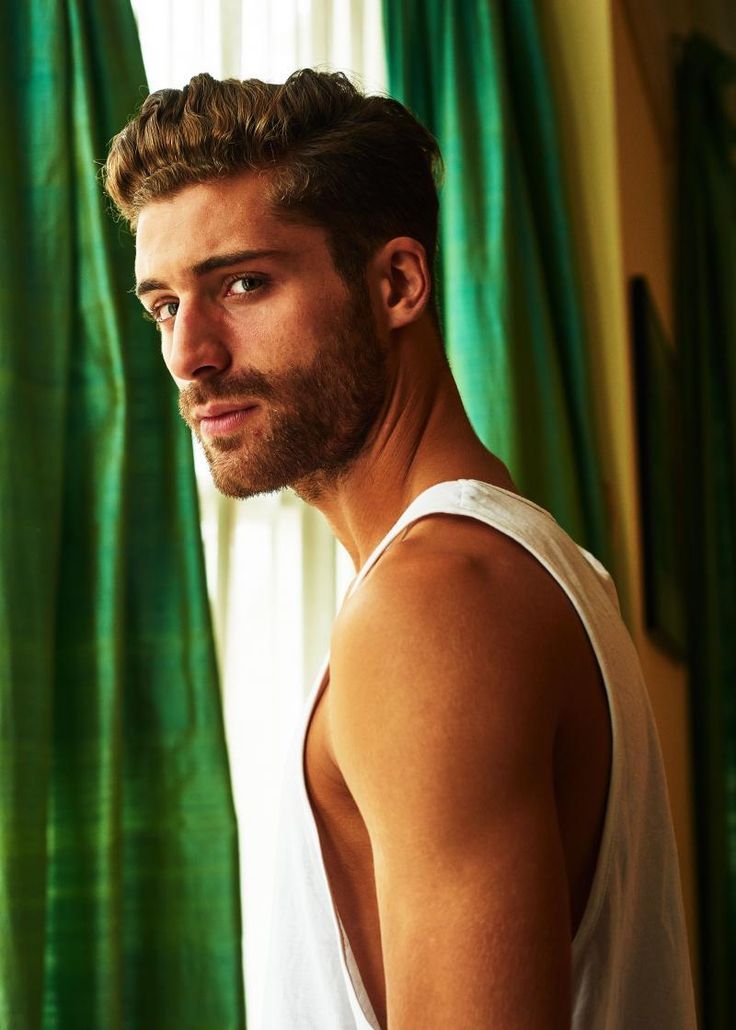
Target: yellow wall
x,y
620,206
646,204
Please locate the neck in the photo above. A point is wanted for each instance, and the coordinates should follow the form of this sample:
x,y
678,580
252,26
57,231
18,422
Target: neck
x,y
421,437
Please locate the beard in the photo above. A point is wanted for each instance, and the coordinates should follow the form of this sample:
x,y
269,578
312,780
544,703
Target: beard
x,y
318,417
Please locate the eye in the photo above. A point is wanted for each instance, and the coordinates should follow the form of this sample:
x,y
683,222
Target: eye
x,y
244,284
163,312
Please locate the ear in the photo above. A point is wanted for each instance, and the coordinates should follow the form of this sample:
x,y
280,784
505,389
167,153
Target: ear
x,y
403,279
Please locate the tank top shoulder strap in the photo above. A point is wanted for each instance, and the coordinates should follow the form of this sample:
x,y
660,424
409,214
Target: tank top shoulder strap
x,y
449,498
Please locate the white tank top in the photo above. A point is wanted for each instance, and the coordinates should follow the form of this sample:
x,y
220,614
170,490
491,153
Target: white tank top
x,y
630,963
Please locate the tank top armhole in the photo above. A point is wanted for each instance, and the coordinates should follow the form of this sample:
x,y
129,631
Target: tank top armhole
x,y
463,506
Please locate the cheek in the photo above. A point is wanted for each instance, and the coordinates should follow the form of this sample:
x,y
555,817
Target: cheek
x,y
165,348
279,335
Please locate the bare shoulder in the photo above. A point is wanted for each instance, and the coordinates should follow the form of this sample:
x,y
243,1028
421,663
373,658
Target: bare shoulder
x,y
457,592
448,660
464,553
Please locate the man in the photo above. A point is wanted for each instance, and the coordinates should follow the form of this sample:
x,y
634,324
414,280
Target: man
x,y
476,826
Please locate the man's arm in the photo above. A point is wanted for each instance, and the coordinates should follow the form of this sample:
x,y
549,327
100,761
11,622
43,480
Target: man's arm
x,y
443,712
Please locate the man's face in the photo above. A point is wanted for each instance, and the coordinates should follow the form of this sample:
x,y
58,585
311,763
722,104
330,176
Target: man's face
x,y
280,370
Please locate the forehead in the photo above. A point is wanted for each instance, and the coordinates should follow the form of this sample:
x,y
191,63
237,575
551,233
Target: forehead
x,y
221,216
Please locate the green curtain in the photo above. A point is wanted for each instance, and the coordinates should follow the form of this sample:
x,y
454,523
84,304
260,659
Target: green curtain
x,y
476,75
706,336
119,895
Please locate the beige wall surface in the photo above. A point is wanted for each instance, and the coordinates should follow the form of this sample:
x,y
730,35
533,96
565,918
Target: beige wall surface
x,y
619,178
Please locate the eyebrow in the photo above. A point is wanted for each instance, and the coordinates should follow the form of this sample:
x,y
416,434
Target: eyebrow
x,y
210,264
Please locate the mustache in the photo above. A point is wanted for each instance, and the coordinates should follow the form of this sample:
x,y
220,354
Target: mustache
x,y
244,383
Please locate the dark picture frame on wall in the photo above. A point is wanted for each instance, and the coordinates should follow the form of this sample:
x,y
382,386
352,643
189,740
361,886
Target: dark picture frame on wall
x,y
659,446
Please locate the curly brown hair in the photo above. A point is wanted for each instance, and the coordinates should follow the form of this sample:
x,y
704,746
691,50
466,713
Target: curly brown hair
x,y
362,167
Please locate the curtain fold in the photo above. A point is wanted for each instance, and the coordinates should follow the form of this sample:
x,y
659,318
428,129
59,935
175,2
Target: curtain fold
x,y
476,75
119,895
706,338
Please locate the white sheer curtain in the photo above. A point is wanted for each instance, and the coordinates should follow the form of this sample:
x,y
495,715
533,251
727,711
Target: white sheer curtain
x,y
274,572
265,39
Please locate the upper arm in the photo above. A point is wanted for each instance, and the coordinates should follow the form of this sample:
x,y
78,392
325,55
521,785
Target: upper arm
x,y
442,719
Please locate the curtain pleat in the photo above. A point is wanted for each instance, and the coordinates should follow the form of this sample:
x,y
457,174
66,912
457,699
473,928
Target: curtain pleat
x,y
476,75
706,338
119,895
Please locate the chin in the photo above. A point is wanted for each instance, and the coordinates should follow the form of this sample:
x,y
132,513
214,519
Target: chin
x,y
242,486
241,479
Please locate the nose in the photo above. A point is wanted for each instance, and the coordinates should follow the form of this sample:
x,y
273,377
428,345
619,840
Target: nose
x,y
195,347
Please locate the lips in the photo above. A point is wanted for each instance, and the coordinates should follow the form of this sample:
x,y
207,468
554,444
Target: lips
x,y
218,409
219,419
